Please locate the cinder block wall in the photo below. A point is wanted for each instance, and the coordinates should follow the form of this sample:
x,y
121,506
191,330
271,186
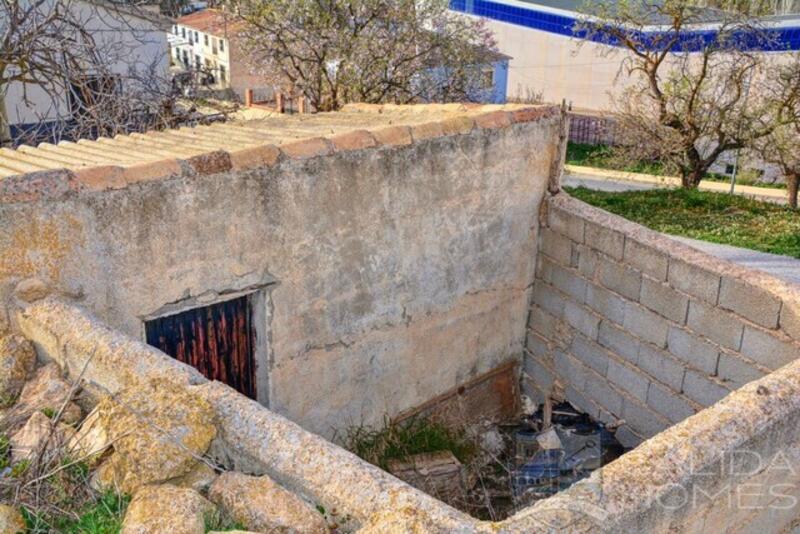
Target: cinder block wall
x,y
639,327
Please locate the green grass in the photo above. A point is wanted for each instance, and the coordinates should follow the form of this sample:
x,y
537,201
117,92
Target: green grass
x,y
602,157
398,441
719,218
103,516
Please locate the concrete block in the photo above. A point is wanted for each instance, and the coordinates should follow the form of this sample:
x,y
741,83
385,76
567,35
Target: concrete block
x,y
702,389
538,373
582,319
590,353
579,400
605,239
716,325
694,280
618,341
537,345
642,419
664,300
790,318
569,282
668,403
566,224
587,261
646,324
698,353
542,322
661,366
647,259
548,298
627,437
628,379
570,370
751,302
556,246
598,390
620,278
736,371
766,348
606,303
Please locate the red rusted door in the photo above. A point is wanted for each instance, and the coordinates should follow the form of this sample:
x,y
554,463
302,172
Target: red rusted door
x,y
217,340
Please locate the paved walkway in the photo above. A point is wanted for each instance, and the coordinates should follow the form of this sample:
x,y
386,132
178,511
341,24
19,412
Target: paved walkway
x,y
608,180
784,267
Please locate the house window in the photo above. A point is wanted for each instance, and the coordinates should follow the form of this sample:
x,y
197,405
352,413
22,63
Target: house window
x,y
214,46
196,38
177,54
197,62
183,32
205,38
221,45
175,29
86,92
186,59
222,73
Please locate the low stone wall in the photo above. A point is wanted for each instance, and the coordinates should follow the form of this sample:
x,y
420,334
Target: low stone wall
x,y
731,465
637,326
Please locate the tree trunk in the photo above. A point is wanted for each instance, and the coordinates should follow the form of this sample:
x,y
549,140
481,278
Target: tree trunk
x,y
691,179
792,182
5,126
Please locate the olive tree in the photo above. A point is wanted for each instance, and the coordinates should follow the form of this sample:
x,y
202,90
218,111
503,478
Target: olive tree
x,y
691,96
339,51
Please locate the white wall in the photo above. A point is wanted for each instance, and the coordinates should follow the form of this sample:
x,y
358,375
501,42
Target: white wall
x,y
127,42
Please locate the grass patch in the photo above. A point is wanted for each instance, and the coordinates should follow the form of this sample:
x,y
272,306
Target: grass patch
x,y
715,217
398,441
602,157
103,516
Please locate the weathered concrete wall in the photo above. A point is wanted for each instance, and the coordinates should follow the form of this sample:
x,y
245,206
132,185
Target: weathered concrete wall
x,y
394,272
639,327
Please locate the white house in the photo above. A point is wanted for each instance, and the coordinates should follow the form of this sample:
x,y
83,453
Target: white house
x,y
129,43
207,44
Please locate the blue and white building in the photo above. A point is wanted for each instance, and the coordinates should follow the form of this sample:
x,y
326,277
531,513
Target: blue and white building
x,y
548,58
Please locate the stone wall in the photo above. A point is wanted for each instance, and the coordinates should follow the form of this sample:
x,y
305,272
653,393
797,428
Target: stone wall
x,y
637,326
395,263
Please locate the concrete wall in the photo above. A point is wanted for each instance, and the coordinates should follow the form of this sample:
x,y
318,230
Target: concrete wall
x,y
393,273
639,327
730,468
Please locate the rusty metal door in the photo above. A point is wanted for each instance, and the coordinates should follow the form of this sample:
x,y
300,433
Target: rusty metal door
x,y
217,340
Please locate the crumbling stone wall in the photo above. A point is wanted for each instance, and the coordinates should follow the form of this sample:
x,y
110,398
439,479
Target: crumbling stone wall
x,y
396,263
637,326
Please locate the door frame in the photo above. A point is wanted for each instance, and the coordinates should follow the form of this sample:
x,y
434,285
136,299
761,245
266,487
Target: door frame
x,y
260,321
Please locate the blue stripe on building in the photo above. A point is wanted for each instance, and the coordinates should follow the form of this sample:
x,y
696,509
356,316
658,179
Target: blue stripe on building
x,y
782,39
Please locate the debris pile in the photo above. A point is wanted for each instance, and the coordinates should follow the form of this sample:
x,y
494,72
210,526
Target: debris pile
x,y
515,463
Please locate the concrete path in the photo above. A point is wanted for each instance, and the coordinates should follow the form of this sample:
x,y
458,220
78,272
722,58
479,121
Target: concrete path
x,y
784,267
607,180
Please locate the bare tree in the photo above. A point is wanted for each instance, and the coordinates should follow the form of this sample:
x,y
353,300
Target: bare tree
x,y
692,95
81,68
338,51
781,147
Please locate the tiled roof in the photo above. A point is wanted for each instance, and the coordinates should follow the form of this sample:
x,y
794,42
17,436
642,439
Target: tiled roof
x,y
212,21
28,173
